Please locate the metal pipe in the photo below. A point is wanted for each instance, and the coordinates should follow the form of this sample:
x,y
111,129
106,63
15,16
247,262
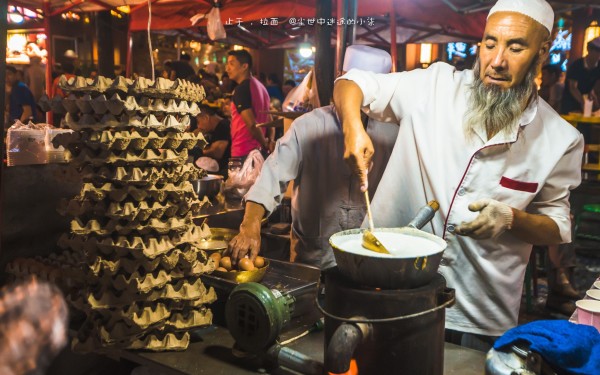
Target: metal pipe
x,y
352,14
340,45
341,348
49,57
393,43
129,47
294,360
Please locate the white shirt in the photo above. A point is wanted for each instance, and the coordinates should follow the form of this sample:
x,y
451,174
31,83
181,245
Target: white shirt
x,y
532,169
326,196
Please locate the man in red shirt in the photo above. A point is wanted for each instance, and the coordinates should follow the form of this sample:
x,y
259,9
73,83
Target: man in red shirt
x,y
249,106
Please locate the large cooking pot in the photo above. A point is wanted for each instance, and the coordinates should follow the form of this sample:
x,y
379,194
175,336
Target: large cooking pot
x,y
208,186
413,260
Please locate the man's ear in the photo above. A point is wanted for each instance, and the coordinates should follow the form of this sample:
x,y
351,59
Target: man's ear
x,y
545,46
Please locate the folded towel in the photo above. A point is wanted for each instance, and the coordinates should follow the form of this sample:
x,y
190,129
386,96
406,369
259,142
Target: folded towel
x,y
566,346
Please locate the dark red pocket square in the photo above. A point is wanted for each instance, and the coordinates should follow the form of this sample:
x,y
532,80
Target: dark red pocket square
x,y
530,187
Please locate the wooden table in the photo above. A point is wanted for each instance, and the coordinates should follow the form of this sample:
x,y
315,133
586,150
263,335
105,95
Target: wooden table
x,y
577,118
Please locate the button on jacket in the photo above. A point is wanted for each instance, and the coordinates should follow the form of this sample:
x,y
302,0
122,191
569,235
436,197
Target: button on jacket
x,y
326,196
532,168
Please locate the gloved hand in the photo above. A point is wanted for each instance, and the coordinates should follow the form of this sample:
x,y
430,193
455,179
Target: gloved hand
x,y
493,219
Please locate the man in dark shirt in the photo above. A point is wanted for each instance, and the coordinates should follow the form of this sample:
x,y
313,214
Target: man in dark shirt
x,y
581,77
217,132
22,103
182,69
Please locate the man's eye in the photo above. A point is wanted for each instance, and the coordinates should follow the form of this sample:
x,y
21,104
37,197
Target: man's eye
x,y
516,49
489,46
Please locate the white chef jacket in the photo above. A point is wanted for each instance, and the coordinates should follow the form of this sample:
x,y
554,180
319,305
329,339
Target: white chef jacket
x,y
532,169
326,196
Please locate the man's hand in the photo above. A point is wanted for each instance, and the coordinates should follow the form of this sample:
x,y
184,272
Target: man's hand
x,y
247,242
358,152
494,218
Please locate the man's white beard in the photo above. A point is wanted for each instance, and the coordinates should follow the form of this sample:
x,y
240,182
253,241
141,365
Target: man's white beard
x,y
492,109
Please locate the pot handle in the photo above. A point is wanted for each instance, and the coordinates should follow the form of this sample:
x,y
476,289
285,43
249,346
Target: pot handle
x,y
425,214
447,296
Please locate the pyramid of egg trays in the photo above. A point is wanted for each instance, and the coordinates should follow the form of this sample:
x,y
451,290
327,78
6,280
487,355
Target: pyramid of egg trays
x,y
132,220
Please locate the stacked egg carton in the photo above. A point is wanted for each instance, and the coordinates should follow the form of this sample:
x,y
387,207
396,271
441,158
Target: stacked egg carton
x,y
133,216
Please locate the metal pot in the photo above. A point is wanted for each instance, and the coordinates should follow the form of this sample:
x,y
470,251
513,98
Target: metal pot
x,y
388,271
208,186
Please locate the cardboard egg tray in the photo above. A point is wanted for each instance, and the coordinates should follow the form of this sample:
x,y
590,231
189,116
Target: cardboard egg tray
x,y
107,227
136,246
188,289
115,105
123,122
158,192
159,88
184,257
63,269
140,282
119,329
153,341
130,210
97,158
142,176
132,220
121,140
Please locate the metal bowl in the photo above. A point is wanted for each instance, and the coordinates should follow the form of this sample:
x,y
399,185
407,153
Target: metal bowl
x,y
218,240
239,277
388,272
208,186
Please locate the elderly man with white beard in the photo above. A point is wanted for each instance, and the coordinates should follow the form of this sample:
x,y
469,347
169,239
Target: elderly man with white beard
x,y
500,161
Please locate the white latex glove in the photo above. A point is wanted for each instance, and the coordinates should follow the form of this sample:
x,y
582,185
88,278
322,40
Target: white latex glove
x,y
494,218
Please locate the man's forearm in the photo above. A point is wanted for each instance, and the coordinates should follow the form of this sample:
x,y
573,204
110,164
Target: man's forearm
x,y
535,229
258,135
347,97
27,113
252,216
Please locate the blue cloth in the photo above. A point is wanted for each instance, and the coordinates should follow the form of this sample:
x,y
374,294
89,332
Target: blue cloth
x,y
20,95
564,345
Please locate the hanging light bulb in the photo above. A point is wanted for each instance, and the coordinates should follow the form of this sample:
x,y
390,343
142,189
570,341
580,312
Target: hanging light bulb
x,y
306,49
14,16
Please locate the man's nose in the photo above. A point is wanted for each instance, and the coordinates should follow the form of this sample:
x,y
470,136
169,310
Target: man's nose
x,y
498,61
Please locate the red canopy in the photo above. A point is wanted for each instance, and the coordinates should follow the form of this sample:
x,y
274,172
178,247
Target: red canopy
x,y
177,14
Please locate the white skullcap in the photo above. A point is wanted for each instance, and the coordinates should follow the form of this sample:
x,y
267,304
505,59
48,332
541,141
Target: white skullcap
x,y
363,57
539,10
70,54
595,42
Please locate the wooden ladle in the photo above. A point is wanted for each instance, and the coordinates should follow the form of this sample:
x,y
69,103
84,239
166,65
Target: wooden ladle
x,y
369,241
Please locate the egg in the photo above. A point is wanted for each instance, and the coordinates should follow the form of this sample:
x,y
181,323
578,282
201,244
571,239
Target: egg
x,y
259,262
216,256
221,269
245,264
226,263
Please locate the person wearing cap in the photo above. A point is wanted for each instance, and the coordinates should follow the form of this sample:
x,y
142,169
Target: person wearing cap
x,y
326,197
499,160
71,57
582,75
